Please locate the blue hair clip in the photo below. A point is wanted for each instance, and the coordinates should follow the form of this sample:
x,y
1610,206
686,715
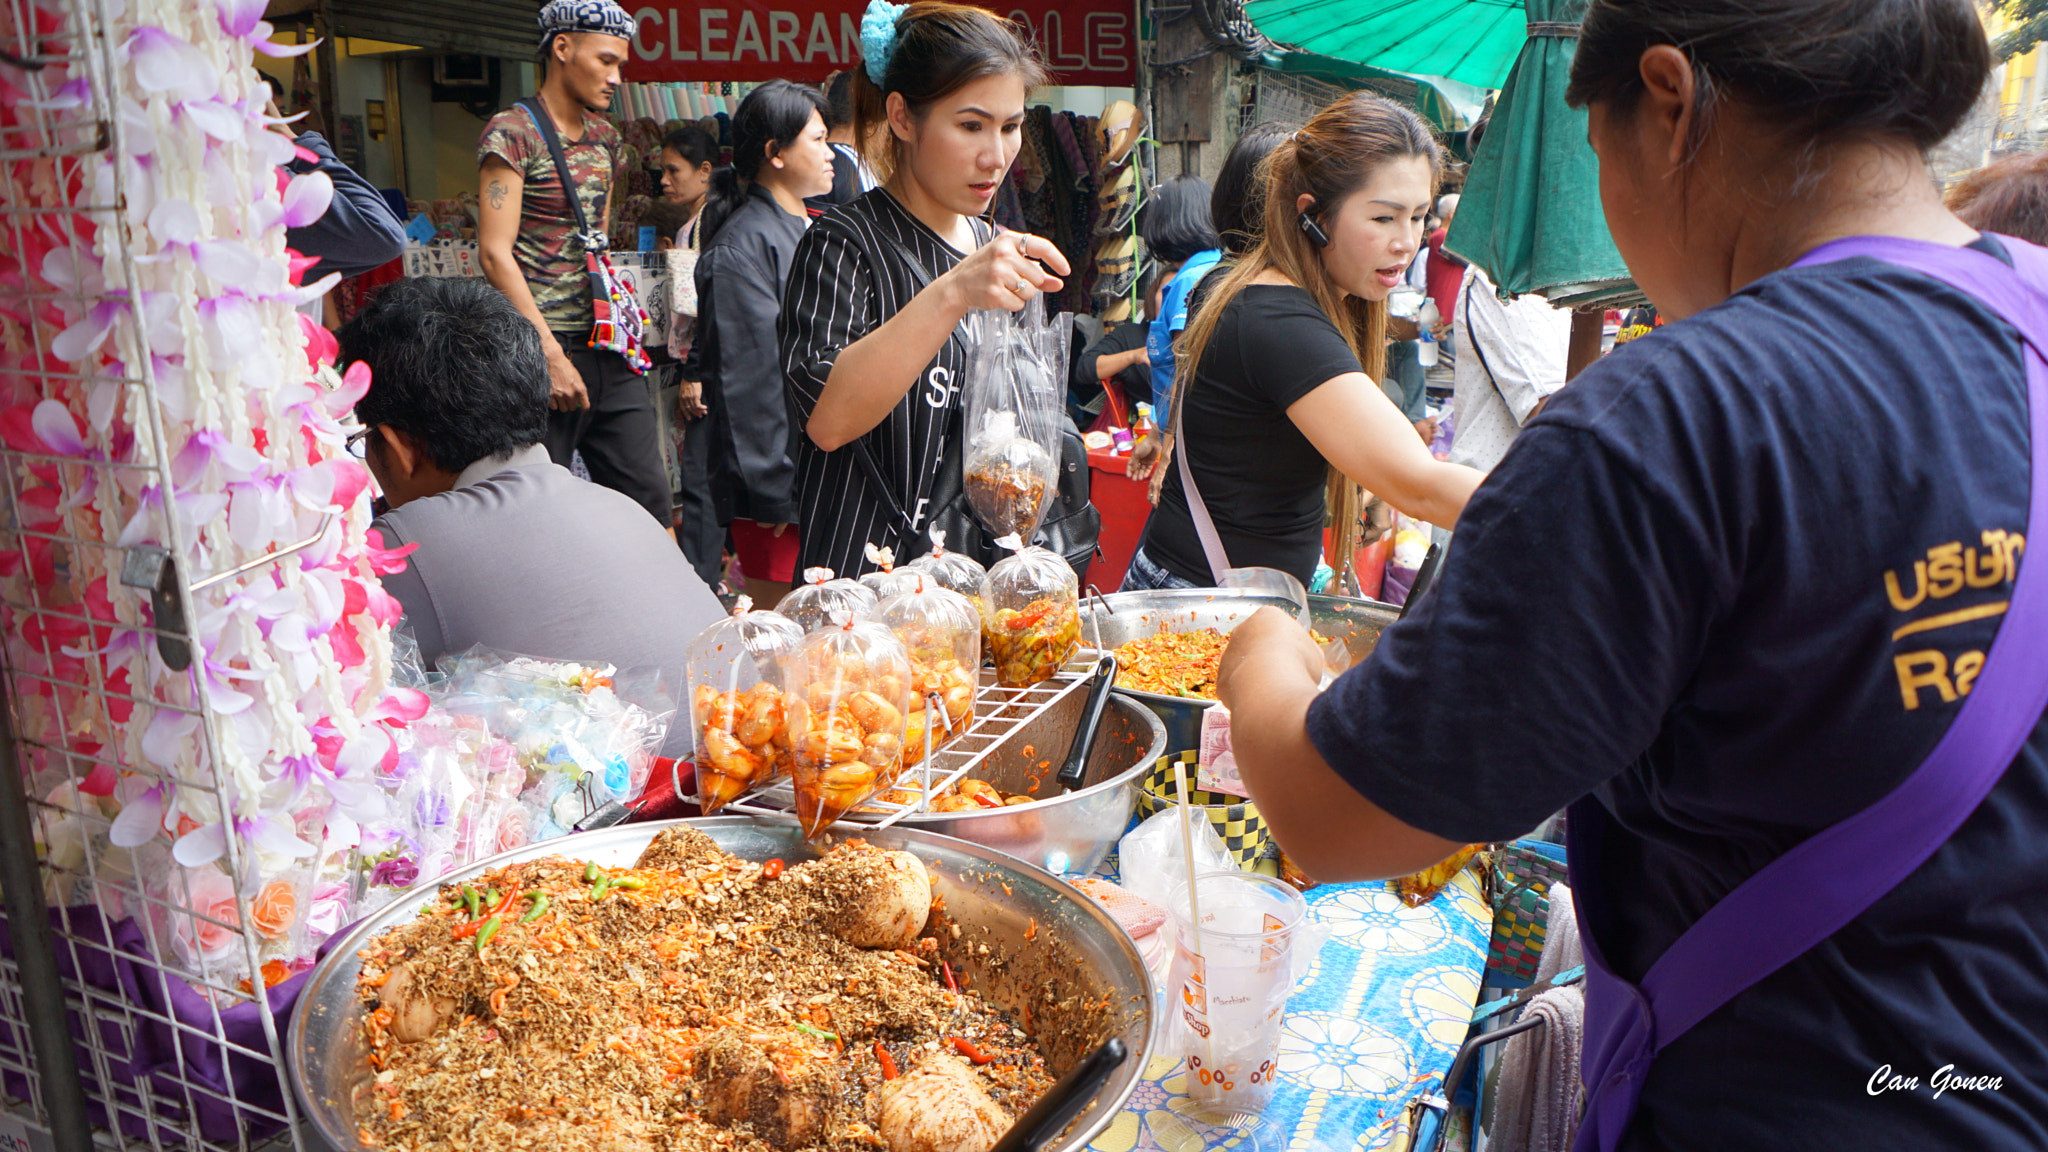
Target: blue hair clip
x,y
878,37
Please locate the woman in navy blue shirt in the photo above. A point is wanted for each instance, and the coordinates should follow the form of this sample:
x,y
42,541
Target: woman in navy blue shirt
x,y
1732,586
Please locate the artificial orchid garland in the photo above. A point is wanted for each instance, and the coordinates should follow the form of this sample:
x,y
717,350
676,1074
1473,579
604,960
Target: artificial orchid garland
x,y
241,456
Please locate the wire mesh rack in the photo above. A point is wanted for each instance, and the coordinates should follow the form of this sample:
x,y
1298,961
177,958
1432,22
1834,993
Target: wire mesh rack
x,y
999,714
119,1027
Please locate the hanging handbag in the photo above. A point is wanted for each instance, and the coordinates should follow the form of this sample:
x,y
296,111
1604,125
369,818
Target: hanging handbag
x,y
619,322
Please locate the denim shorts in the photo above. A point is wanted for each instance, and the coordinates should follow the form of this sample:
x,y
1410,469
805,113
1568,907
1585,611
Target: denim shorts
x,y
1145,576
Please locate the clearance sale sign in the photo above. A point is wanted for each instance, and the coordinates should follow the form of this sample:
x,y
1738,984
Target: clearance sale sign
x,y
1085,41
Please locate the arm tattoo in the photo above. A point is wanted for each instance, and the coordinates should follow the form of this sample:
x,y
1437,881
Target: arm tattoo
x,y
495,193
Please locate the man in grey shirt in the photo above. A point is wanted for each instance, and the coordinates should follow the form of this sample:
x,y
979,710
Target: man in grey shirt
x,y
515,553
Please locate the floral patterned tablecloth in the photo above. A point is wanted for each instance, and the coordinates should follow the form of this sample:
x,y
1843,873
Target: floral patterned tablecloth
x,y
1378,1020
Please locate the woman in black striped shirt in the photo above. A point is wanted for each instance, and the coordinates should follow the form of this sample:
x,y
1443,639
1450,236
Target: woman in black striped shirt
x,y
878,287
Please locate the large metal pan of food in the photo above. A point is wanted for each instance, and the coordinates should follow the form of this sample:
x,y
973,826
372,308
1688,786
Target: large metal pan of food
x,y
1027,815
716,984
1167,643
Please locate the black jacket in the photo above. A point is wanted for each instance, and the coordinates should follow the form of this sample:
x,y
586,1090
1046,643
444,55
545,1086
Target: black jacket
x,y
739,297
357,232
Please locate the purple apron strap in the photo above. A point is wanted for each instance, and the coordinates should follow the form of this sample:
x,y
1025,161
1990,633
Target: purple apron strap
x,y
1821,885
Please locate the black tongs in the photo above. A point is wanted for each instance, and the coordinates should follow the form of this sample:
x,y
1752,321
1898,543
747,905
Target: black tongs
x,y
1076,768
1064,1100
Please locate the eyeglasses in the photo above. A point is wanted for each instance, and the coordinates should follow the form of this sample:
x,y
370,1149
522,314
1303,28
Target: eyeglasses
x,y
358,443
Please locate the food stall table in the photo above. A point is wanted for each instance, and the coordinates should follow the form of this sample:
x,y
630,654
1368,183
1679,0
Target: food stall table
x,y
1377,1021
1124,508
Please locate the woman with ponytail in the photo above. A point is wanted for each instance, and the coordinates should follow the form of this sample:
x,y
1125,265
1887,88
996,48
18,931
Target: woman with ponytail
x,y
753,219
879,287
1281,421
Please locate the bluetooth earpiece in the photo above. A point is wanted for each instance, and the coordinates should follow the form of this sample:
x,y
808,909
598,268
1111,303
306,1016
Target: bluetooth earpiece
x,y
1313,231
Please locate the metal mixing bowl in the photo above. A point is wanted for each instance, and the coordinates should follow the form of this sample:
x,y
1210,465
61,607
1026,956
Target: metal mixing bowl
x,y
1047,946
1122,617
1063,834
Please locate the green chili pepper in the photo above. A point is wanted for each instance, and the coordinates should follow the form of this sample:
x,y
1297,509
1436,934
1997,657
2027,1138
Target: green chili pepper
x,y
604,884
490,929
491,897
472,901
540,905
590,872
820,1033
629,882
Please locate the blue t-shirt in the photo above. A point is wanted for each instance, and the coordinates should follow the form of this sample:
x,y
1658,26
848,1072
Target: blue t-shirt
x,y
1172,318
1734,581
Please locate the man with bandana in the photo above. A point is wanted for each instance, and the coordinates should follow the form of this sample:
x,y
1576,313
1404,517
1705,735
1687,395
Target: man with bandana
x,y
526,236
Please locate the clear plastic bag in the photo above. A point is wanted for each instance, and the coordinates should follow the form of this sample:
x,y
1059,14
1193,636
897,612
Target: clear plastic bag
x,y
849,691
954,572
582,734
812,603
737,711
942,632
887,580
1014,401
1034,623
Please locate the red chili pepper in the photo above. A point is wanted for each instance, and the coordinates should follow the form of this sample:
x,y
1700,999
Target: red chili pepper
x,y
771,870
465,931
1030,616
502,906
987,801
887,1062
965,1047
952,985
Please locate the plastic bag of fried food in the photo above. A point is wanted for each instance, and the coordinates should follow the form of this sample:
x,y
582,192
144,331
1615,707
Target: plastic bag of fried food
x,y
849,690
1035,623
812,603
942,632
737,707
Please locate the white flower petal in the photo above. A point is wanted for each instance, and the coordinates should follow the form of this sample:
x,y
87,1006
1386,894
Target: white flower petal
x,y
306,198
227,261
202,845
174,222
140,821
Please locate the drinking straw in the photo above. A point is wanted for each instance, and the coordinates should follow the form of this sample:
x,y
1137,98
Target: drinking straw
x,y
1187,847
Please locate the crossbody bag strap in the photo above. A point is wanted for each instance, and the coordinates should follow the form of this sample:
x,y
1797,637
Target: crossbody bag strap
x,y
1470,282
1812,891
1198,509
546,124
864,458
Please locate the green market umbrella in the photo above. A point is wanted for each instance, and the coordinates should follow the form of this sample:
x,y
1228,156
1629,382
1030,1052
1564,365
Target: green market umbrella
x,y
1530,213
1471,41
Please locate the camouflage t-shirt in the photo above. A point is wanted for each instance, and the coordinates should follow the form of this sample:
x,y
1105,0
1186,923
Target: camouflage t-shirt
x,y
546,249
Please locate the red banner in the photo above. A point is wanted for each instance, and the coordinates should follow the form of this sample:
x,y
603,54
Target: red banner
x,y
1085,41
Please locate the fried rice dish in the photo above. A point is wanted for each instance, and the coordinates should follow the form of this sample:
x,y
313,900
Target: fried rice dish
x,y
695,1002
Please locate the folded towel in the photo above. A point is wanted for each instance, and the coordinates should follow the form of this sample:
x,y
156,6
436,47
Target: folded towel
x,y
1561,949
1536,1103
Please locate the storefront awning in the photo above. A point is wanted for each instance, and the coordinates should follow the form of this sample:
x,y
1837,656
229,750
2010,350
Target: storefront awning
x,y
1447,104
1473,42
502,28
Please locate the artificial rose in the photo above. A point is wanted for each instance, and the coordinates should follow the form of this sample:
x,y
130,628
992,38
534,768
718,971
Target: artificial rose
x,y
210,894
273,909
398,873
512,829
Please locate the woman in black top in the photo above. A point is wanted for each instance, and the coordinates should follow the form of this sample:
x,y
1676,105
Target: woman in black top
x,y
1278,371
753,221
879,286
